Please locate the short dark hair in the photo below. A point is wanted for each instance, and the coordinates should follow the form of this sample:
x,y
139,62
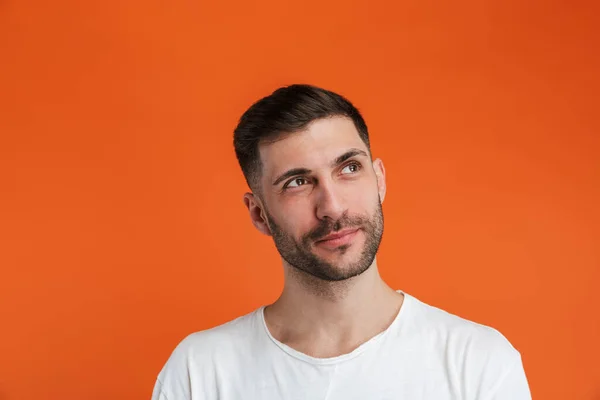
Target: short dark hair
x,y
287,110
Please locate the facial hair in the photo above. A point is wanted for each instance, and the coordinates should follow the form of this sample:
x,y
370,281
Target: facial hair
x,y
298,254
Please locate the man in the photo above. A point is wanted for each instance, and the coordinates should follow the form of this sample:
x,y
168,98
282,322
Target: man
x,y
337,331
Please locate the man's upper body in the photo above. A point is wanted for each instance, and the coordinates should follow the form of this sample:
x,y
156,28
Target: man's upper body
x,y
426,353
337,331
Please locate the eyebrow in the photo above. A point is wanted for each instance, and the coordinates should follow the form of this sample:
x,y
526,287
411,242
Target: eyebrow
x,y
290,173
305,171
347,155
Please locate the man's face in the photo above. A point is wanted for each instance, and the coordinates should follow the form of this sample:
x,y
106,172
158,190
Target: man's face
x,y
322,199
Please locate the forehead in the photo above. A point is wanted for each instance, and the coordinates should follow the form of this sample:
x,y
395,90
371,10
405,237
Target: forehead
x,y
316,146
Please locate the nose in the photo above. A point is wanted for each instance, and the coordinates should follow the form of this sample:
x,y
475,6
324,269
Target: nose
x,y
329,202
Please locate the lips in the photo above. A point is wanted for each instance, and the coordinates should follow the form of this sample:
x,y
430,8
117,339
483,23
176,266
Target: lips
x,y
337,239
337,235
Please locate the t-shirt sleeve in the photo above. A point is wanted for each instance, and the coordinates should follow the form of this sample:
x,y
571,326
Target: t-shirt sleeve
x,y
173,381
493,368
157,393
513,385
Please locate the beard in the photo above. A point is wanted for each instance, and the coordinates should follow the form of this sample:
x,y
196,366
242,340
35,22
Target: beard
x,y
298,254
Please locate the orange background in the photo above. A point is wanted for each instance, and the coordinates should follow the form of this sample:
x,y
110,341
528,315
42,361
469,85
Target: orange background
x,y
122,227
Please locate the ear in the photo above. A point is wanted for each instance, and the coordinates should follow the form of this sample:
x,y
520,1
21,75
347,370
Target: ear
x,y
257,213
380,174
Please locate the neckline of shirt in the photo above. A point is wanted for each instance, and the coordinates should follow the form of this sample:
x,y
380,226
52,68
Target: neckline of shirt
x,y
343,357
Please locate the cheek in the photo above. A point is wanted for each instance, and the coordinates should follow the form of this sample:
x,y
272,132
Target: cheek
x,y
364,198
296,217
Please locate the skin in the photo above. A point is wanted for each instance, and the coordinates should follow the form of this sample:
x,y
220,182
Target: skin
x,y
333,298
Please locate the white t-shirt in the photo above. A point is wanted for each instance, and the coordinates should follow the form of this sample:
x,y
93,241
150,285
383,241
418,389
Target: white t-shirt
x,y
426,353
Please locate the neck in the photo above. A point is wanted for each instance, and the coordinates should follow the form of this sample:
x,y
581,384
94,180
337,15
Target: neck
x,y
325,319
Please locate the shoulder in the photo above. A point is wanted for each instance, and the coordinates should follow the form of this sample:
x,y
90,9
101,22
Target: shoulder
x,y
433,321
463,341
199,355
477,353
232,333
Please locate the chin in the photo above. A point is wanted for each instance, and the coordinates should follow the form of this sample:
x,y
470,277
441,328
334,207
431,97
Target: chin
x,y
343,262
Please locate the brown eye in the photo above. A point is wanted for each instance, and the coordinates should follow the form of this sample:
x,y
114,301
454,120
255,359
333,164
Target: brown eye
x,y
295,183
351,168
